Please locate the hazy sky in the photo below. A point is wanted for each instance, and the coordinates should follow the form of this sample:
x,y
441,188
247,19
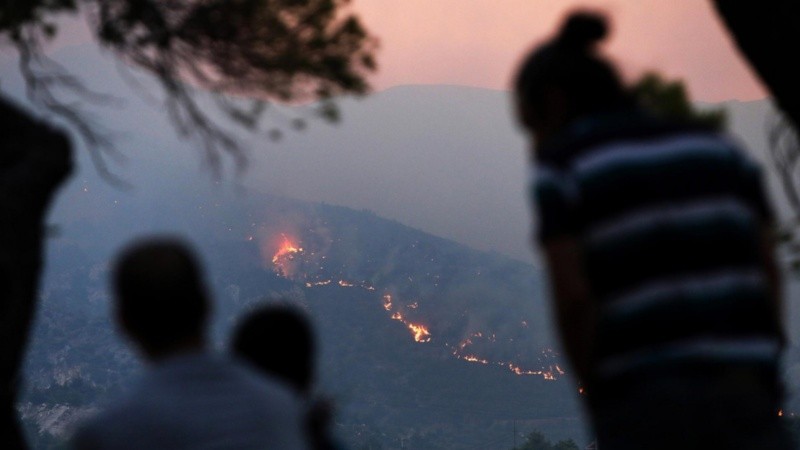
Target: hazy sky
x,y
474,43
479,42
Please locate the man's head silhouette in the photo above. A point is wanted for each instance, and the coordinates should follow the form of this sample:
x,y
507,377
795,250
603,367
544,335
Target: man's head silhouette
x,y
262,338
161,299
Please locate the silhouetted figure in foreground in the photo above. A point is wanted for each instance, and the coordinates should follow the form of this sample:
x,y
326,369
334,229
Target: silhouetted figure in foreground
x,y
279,340
188,398
35,159
658,244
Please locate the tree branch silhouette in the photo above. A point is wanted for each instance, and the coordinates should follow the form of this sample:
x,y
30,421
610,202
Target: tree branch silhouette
x,y
244,53
252,52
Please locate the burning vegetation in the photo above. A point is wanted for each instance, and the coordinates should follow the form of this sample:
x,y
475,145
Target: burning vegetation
x,y
420,332
282,259
550,370
290,257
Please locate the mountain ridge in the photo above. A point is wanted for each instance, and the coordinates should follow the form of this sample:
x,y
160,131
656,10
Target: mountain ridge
x,y
484,314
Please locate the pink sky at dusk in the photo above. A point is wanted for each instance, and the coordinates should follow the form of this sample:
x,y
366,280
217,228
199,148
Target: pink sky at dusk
x,y
479,42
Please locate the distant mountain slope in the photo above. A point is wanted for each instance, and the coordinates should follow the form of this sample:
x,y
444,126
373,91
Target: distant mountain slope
x,y
418,333
448,160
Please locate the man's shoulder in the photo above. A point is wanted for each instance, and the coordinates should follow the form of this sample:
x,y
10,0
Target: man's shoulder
x,y
192,397
113,424
248,378
218,380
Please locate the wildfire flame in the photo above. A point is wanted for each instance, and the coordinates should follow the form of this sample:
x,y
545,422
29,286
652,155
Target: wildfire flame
x,y
551,373
285,262
283,257
287,248
421,334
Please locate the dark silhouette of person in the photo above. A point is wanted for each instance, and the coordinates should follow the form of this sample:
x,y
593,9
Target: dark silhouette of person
x,y
279,340
35,160
658,242
189,397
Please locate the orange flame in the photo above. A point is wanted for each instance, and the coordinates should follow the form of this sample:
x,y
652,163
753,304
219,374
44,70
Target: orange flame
x,y
421,334
283,257
287,248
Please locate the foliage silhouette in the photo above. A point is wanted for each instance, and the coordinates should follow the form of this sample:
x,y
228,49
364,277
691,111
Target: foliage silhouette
x,y
761,31
537,441
260,51
35,159
669,98
276,50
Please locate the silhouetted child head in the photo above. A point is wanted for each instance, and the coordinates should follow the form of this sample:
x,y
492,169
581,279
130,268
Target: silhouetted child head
x,y
279,340
161,300
565,78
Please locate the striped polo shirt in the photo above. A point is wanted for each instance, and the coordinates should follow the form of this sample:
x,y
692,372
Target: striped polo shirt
x,y
670,217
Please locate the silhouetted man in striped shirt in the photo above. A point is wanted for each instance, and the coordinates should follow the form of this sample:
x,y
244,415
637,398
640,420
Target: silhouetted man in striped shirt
x,y
658,246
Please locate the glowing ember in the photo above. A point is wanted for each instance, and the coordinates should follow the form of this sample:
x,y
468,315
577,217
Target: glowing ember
x,y
342,283
387,302
472,358
552,372
549,375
